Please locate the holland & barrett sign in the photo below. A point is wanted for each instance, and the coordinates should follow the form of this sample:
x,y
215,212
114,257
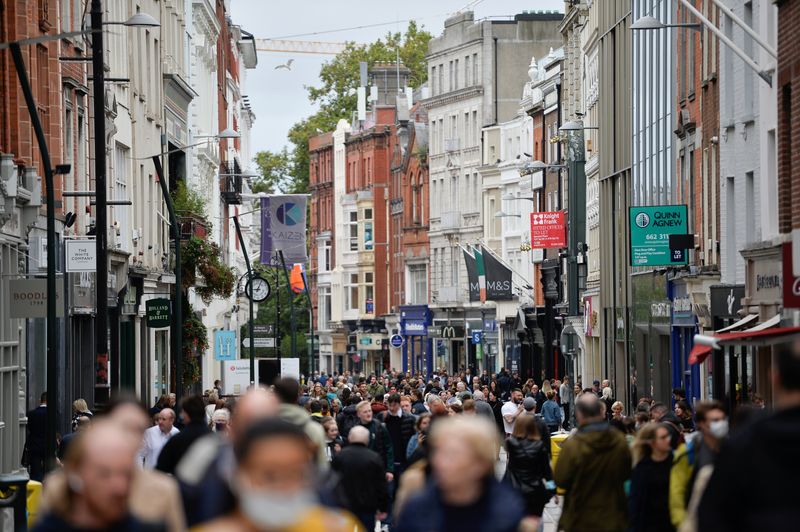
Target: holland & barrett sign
x,y
158,313
650,228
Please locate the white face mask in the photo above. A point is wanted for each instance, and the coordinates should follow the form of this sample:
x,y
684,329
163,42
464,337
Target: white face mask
x,y
274,509
718,429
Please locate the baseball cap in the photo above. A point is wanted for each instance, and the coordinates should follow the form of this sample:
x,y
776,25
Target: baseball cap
x,y
529,404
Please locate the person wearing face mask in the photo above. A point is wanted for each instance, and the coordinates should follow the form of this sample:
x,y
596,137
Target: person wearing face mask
x,y
698,452
274,484
754,483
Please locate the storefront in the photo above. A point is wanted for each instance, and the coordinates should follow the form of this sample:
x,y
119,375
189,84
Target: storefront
x,y
684,326
651,365
417,346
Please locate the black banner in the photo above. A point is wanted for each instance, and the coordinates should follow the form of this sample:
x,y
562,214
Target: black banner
x,y
498,279
472,277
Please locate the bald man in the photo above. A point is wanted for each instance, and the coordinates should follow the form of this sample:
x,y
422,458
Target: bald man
x,y
362,478
204,472
156,437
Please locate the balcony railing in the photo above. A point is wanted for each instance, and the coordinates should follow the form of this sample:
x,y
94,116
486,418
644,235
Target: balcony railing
x,y
231,179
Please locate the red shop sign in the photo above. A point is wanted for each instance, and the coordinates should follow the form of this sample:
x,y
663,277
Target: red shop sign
x,y
548,230
791,284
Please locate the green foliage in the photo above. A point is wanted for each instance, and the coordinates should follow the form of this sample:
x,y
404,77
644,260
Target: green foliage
x,y
275,169
339,78
188,202
203,258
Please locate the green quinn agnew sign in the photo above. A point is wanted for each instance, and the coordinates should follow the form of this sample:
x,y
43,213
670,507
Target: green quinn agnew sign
x,y
650,228
159,313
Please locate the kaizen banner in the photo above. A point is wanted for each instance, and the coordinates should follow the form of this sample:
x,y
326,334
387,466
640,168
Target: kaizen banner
x,y
548,230
283,227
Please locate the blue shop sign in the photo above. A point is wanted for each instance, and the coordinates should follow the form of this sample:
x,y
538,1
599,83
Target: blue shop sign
x,y
414,328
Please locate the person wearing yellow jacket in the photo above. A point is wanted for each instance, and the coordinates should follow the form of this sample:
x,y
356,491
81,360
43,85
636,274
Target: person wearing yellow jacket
x,y
690,457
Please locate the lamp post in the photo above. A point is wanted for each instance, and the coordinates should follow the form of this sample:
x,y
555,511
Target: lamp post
x,y
576,212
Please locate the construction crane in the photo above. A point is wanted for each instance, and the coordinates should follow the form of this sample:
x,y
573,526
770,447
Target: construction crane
x,y
299,47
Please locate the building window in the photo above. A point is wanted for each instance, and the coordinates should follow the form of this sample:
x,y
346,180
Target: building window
x,y
417,293
353,231
324,257
368,233
433,80
120,214
324,308
351,291
369,292
455,75
475,77
467,73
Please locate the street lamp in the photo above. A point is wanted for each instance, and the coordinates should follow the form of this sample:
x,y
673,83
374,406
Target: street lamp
x,y
501,214
512,197
574,125
651,23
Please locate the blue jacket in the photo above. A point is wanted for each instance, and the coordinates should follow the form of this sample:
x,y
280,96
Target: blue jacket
x,y
551,412
499,510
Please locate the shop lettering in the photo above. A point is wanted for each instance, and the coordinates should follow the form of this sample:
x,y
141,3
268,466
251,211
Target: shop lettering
x,y
498,285
767,282
682,304
667,219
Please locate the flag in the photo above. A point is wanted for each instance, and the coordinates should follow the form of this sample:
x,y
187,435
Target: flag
x,y
297,279
498,278
472,276
283,227
479,266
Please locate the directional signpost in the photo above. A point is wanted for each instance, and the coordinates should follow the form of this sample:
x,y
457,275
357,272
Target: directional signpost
x,y
650,228
259,342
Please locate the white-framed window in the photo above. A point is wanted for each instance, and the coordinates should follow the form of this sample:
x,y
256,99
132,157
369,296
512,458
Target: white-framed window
x,y
119,214
351,291
417,291
369,235
324,256
324,308
353,230
369,292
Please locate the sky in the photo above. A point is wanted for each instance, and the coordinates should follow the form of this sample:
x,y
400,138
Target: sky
x,y
279,98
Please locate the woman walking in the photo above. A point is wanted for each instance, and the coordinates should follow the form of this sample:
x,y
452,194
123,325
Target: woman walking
x,y
649,500
529,465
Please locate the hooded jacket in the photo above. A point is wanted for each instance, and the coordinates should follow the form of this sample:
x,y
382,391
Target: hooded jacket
x,y
592,468
298,416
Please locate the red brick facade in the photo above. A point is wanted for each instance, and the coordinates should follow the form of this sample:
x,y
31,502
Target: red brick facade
x,y
788,85
320,184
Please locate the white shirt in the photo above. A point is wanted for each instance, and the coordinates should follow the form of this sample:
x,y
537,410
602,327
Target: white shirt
x,y
154,441
509,408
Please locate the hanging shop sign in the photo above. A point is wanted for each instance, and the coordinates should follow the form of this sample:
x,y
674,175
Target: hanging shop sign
x,y
650,228
81,255
548,230
225,345
27,298
158,312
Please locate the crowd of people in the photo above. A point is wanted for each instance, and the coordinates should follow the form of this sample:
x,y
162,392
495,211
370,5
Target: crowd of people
x,y
453,452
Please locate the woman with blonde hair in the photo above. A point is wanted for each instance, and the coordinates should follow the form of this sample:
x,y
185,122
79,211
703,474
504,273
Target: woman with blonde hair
x,y
463,493
649,501
79,409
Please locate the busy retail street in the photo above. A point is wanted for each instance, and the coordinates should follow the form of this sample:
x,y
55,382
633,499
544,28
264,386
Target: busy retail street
x,y
494,265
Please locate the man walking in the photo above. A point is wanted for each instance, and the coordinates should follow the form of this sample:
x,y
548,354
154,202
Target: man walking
x,y
400,426
511,411
194,416
379,439
36,441
592,468
362,479
156,437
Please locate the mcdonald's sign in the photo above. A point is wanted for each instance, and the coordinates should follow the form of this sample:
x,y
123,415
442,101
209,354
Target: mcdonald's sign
x,y
451,331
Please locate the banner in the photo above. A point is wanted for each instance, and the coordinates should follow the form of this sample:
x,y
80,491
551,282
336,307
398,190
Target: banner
x,y
472,276
481,274
297,279
498,278
283,227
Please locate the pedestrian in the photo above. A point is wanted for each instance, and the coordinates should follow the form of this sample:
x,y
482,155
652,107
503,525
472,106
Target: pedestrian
x,y
273,482
400,426
754,483
463,493
220,422
684,413
82,423
421,430
287,390
211,406
551,412
379,439
529,409
528,468
35,452
99,469
617,410
333,442
79,409
649,491
156,437
567,397
538,396
481,406
362,479
608,400
592,468
194,428
699,451
511,410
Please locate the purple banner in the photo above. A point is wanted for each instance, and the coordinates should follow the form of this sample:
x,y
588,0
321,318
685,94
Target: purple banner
x,y
283,227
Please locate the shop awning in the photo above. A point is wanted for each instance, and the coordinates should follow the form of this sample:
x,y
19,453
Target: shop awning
x,y
747,320
767,333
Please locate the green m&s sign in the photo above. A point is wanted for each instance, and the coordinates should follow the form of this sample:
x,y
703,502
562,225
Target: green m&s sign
x,y
650,228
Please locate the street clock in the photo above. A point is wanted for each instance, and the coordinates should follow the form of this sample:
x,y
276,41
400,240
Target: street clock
x,y
257,289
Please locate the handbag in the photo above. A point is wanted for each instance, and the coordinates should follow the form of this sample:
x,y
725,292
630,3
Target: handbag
x,y
25,459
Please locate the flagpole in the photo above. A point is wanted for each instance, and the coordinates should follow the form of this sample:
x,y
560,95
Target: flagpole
x,y
291,304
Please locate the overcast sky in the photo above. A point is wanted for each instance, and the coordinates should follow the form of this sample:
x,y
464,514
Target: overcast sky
x,y
278,97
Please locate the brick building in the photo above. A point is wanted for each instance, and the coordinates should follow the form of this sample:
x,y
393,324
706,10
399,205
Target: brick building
x,y
788,82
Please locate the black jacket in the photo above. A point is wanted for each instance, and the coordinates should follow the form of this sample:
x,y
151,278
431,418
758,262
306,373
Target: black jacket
x,y
177,446
381,443
528,463
406,432
648,504
346,420
362,478
754,483
37,427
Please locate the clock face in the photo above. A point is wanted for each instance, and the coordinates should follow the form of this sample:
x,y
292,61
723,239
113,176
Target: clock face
x,y
257,289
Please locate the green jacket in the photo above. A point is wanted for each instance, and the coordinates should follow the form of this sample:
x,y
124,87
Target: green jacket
x,y
376,390
592,468
681,480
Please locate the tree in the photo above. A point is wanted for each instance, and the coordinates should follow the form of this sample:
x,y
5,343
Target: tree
x,y
275,169
339,79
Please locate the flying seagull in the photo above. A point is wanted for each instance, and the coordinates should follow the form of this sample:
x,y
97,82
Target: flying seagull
x,y
287,66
